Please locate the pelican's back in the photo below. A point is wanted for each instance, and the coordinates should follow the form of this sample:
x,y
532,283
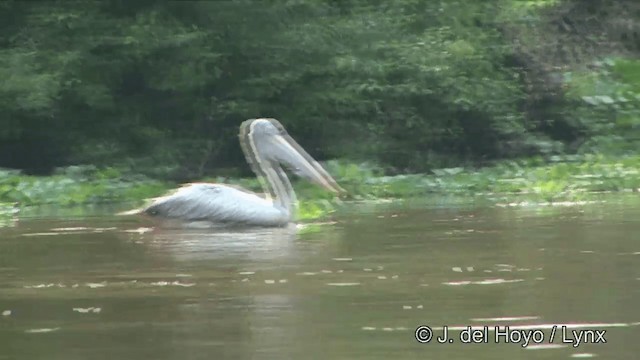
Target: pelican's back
x,y
217,204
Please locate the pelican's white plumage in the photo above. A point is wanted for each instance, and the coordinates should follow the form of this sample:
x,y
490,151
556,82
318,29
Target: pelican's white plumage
x,y
217,203
266,145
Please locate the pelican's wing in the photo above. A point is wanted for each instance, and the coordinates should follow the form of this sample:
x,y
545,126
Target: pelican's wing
x,y
218,204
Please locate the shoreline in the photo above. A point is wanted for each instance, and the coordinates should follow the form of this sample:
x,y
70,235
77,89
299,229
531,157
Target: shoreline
x,y
527,182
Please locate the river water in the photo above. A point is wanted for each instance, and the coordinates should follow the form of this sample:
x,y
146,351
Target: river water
x,y
105,287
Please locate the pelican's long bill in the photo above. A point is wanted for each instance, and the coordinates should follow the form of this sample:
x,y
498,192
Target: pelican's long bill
x,y
276,146
302,164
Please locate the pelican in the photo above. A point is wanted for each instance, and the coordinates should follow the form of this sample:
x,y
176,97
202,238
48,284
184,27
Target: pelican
x,y
266,146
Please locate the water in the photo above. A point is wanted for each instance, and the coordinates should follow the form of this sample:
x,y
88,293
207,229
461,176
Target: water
x,y
109,288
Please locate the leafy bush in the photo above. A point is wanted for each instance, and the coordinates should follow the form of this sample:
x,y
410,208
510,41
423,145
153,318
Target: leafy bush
x,y
160,87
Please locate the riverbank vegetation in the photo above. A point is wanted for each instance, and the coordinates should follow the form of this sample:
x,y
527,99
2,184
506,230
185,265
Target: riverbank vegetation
x,y
569,178
113,101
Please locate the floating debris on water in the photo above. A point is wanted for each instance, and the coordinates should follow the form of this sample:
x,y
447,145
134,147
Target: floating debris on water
x,y
631,253
342,259
42,330
382,277
307,273
505,265
407,307
394,276
61,285
140,230
245,280
541,204
6,313
79,228
507,318
482,282
247,272
367,269
344,284
283,281
96,285
459,231
368,328
456,269
269,281
95,310
587,251
496,281
470,268
583,355
39,286
545,346
173,283
43,234
99,230
183,275
42,286
387,329
456,283
419,307
326,271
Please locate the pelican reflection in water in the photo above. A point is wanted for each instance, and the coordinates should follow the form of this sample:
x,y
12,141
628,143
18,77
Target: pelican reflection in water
x,y
266,146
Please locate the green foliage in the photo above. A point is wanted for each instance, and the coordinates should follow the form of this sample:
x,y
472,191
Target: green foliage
x,y
609,105
565,178
76,186
160,87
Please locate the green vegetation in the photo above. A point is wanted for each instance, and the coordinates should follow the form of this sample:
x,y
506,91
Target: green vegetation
x,y
568,178
75,186
160,87
537,98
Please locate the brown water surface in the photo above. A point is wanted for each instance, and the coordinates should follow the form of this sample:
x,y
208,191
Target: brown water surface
x,y
105,287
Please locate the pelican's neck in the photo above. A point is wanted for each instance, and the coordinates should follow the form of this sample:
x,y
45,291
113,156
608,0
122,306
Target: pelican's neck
x,y
280,188
277,186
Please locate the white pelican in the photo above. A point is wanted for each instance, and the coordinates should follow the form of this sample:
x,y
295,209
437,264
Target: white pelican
x,y
266,146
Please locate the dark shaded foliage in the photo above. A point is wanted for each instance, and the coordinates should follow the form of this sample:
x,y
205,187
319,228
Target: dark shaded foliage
x,y
162,86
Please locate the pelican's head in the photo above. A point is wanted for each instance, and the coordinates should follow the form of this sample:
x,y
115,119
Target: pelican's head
x,y
269,143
